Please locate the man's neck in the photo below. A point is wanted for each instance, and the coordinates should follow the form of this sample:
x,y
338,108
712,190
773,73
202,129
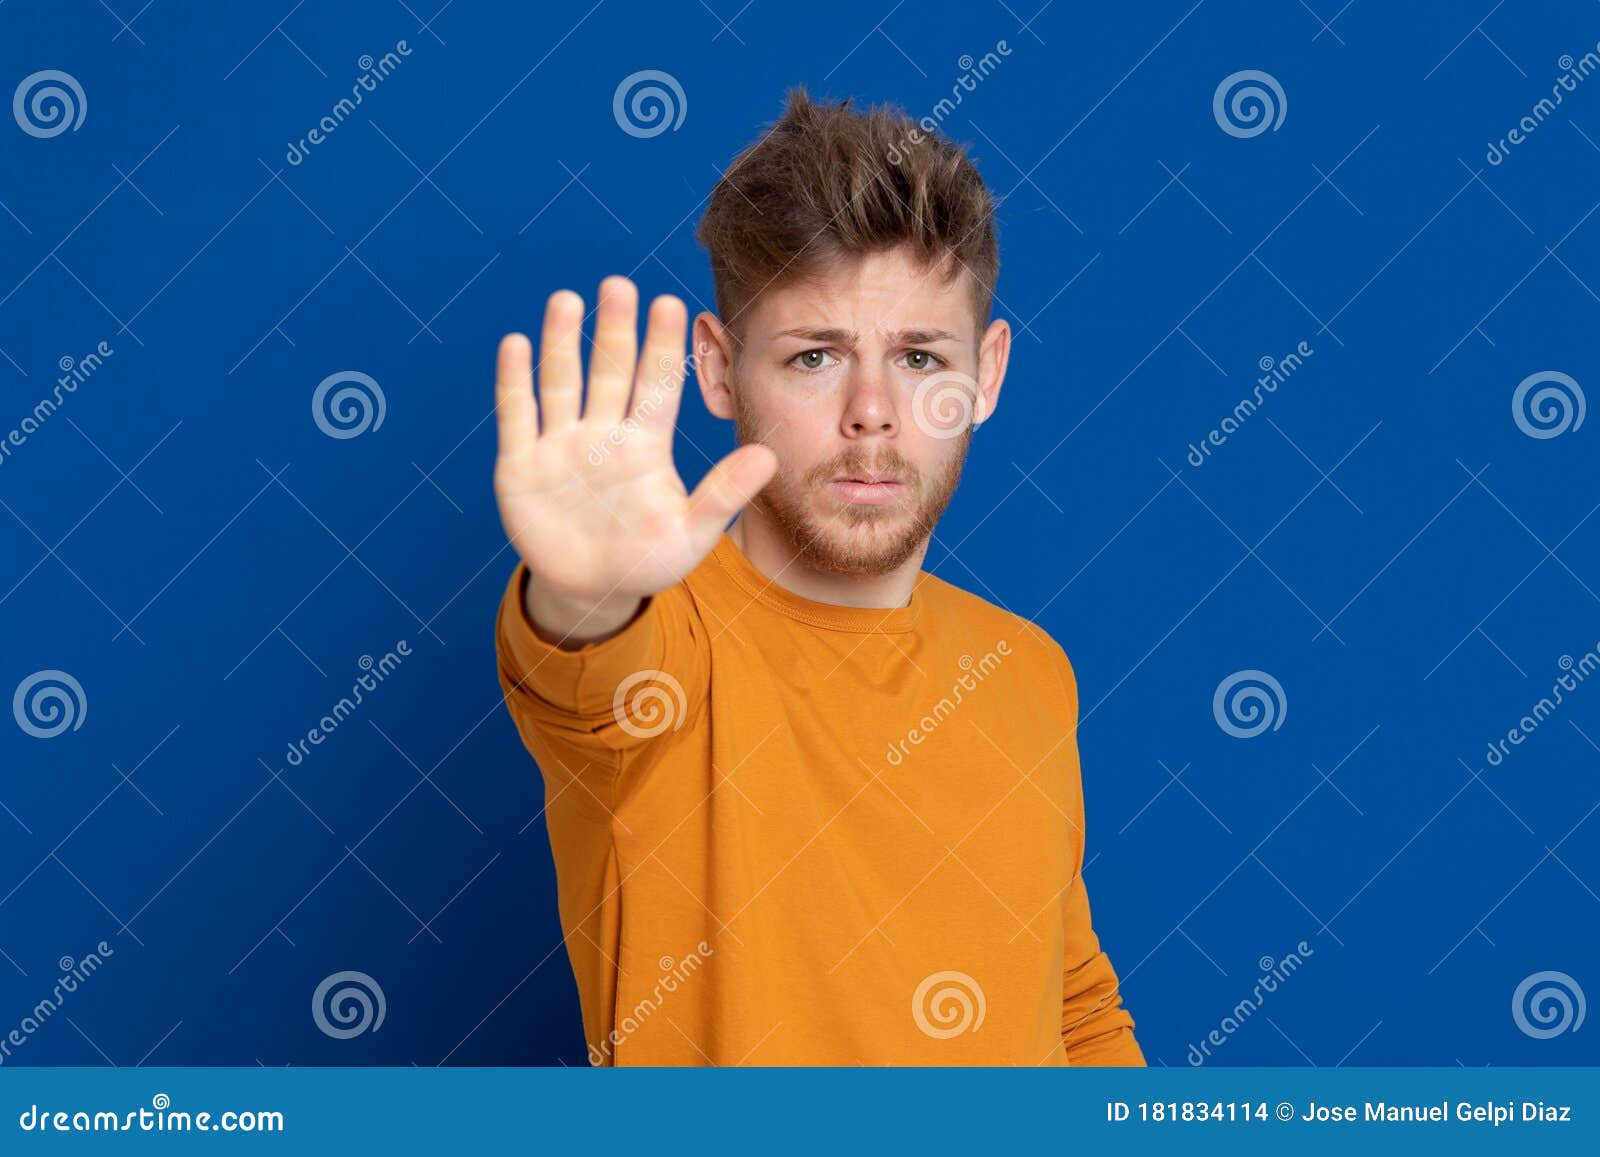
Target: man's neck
x,y
771,554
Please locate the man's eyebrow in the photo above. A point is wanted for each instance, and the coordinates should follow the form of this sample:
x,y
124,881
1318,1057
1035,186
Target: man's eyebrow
x,y
923,336
850,337
820,333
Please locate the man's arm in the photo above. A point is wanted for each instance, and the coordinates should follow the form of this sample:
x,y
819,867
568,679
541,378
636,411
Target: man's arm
x,y
1095,1028
593,701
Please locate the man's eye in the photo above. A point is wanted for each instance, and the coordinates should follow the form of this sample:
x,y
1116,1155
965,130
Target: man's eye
x,y
921,360
813,359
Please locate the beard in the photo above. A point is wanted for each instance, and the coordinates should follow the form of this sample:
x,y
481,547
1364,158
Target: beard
x,y
857,539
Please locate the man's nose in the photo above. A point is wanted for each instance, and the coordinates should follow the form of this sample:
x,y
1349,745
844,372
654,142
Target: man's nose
x,y
870,405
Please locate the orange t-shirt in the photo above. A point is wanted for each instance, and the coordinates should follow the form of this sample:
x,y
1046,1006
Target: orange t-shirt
x,y
787,832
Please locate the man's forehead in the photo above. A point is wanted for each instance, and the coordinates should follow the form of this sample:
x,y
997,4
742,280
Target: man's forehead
x,y
875,293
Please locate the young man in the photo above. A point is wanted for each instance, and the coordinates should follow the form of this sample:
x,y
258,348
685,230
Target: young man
x,y
808,804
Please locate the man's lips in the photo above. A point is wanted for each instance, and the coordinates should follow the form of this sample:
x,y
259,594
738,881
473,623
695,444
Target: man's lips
x,y
867,488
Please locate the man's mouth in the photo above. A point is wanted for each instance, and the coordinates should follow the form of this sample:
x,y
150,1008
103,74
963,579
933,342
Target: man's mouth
x,y
868,487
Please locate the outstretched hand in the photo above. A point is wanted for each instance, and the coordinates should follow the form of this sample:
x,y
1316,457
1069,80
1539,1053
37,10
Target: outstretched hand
x,y
592,501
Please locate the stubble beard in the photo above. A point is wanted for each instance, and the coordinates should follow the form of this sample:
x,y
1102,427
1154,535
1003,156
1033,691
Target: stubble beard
x,y
855,540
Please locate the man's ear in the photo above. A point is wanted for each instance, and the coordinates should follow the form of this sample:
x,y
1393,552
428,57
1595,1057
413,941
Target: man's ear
x,y
713,360
994,353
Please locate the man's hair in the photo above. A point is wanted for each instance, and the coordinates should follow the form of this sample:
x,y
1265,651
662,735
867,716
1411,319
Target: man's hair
x,y
828,183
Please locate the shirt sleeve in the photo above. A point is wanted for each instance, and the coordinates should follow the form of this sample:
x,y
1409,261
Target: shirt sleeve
x,y
582,712
1095,1027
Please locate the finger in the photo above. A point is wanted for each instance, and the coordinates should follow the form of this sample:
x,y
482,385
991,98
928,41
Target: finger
x,y
616,348
726,488
560,363
658,385
516,413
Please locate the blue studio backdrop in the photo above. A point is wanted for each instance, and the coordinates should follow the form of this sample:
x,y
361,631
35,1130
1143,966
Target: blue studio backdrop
x,y
1291,459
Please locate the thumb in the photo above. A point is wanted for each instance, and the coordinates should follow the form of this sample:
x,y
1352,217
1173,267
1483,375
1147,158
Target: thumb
x,y
726,488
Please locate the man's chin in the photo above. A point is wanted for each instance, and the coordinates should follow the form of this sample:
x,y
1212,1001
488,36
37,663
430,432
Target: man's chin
x,y
860,541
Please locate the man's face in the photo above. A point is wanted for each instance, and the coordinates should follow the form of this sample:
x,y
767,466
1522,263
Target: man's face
x,y
864,382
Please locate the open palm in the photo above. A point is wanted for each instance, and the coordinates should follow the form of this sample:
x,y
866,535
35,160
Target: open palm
x,y
592,501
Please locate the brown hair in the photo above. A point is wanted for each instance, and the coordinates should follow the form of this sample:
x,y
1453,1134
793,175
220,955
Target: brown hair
x,y
827,183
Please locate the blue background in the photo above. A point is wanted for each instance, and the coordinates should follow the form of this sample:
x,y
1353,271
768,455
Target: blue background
x,y
1380,536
